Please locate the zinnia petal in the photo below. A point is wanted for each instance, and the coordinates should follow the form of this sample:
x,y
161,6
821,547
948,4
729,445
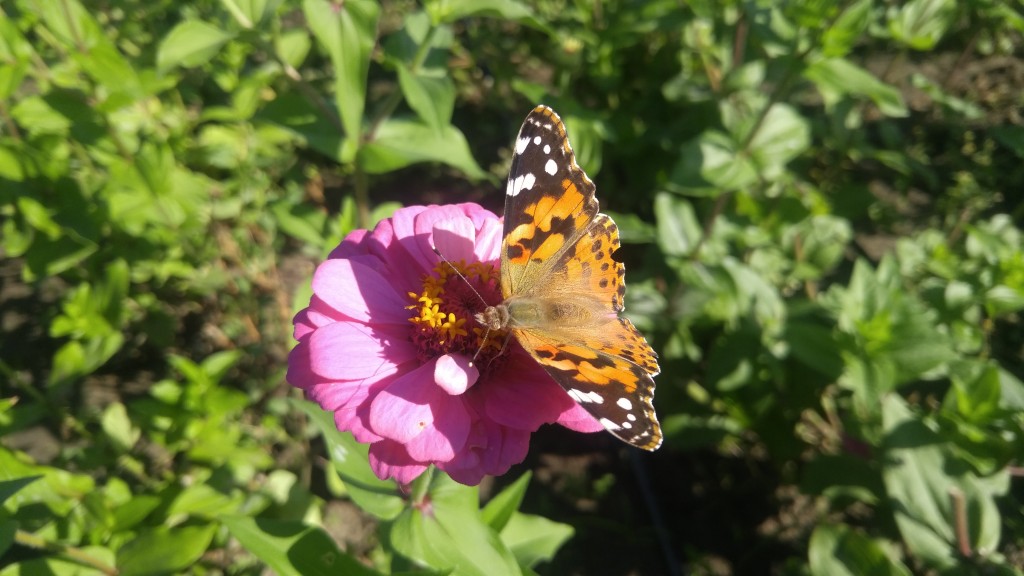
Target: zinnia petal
x,y
389,459
359,292
454,237
402,410
525,399
455,373
351,351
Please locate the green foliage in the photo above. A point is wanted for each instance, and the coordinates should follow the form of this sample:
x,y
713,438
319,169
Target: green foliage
x,y
820,208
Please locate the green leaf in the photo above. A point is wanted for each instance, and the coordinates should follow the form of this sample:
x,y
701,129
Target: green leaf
x,y
839,550
848,29
16,52
449,11
203,500
164,550
920,24
533,539
431,97
922,477
976,390
1012,397
814,344
118,427
293,46
678,228
711,165
817,244
351,460
9,487
632,228
837,78
500,509
449,534
302,221
189,44
216,365
293,549
782,135
843,476
249,13
348,33
400,143
8,528
129,514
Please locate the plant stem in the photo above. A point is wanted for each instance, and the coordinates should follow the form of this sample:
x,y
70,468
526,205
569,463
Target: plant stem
x,y
70,553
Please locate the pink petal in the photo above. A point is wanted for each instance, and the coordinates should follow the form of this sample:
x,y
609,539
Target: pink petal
x,y
352,351
455,373
478,214
415,412
300,368
526,398
352,245
421,244
389,459
413,242
577,418
402,410
353,418
470,476
359,292
488,241
454,238
510,448
303,324
446,437
335,394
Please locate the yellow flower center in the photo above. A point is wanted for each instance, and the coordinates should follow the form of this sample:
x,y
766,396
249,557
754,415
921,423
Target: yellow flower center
x,y
443,311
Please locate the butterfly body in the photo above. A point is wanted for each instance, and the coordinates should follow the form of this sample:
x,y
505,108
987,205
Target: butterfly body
x,y
562,289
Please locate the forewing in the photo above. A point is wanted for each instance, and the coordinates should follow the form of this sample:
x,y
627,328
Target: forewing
x,y
615,390
549,203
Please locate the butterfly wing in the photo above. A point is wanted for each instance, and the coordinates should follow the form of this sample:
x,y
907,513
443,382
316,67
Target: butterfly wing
x,y
600,359
616,391
549,202
558,254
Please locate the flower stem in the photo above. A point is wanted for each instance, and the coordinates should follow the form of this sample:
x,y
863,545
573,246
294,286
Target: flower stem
x,y
421,485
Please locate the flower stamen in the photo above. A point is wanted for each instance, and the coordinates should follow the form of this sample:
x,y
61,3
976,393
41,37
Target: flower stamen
x,y
451,296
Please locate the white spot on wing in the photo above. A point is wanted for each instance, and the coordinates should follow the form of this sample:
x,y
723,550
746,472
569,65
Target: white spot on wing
x,y
528,181
521,145
627,425
547,149
536,140
551,167
585,397
631,417
515,185
624,403
609,425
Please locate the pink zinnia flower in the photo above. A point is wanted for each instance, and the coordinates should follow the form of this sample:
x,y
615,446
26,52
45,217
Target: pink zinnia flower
x,y
387,341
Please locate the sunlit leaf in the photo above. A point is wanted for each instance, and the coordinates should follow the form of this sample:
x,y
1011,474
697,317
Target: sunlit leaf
x,y
190,44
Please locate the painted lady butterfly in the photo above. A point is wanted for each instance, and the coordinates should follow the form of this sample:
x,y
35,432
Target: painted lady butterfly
x,y
562,289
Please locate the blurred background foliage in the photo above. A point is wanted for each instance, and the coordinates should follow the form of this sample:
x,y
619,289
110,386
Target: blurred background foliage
x,y
821,209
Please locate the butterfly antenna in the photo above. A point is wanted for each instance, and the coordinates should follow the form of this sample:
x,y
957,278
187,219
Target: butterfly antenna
x,y
487,329
461,275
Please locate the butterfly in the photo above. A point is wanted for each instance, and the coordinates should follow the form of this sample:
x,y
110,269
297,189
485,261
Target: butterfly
x,y
562,289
